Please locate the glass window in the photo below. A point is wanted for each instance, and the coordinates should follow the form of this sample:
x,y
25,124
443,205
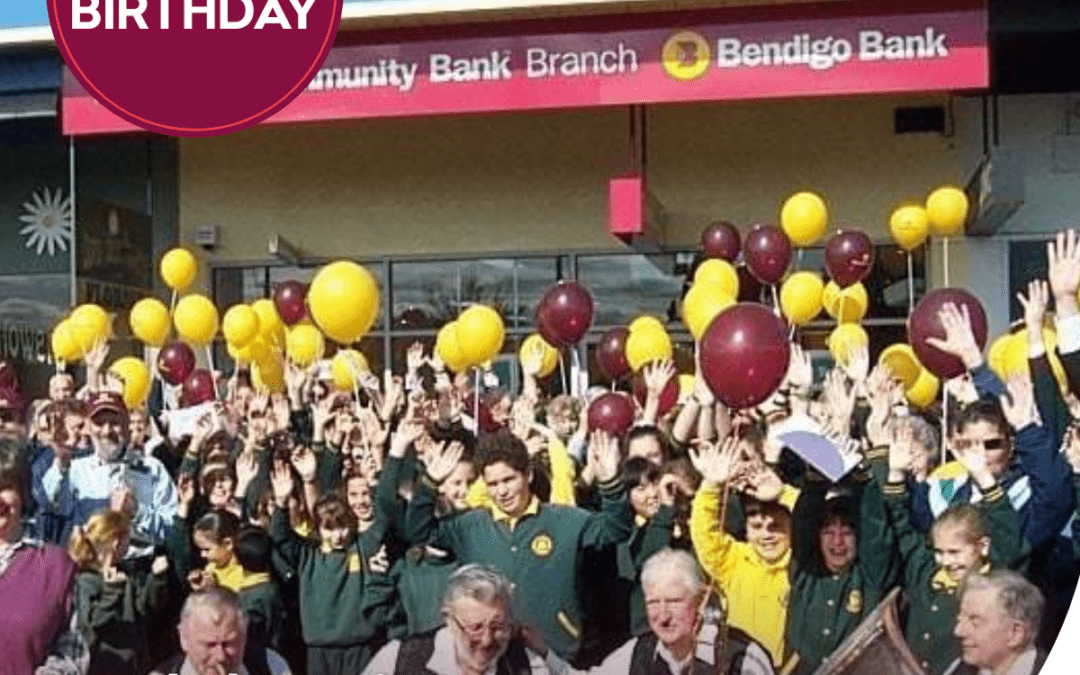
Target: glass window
x,y
626,286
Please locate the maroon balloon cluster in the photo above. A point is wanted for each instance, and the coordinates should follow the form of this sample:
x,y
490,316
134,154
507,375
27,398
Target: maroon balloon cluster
x,y
564,314
175,362
744,355
925,323
849,256
290,298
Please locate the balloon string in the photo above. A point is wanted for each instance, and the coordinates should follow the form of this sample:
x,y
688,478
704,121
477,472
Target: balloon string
x,y
476,402
945,258
575,370
213,372
562,373
910,285
172,307
775,301
944,419
798,259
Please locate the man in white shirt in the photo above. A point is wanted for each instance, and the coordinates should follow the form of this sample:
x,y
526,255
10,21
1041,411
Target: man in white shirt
x,y
213,637
115,476
997,623
479,638
681,639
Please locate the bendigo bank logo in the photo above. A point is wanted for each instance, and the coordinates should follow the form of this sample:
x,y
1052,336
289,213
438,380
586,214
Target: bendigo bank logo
x,y
686,55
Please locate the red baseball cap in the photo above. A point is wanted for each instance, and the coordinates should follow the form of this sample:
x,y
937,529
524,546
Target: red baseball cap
x,y
107,400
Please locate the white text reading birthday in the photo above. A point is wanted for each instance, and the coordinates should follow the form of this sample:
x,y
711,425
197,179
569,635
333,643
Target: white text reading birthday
x,y
223,14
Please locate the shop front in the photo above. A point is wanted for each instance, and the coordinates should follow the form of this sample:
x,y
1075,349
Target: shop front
x,y
474,163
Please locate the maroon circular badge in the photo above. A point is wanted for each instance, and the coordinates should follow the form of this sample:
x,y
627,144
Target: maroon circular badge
x,y
194,67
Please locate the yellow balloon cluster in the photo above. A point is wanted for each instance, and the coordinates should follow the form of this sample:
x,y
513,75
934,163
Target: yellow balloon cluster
x,y
1008,355
304,345
944,215
549,359
846,338
178,269
80,332
909,225
804,218
343,300
480,334
920,385
196,319
447,348
64,347
271,327
149,320
346,368
801,297
716,285
848,305
647,342
240,325
267,375
135,379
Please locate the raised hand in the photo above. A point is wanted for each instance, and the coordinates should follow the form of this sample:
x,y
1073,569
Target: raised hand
x,y
858,365
533,360
763,484
282,483
603,455
1034,304
973,457
879,392
1019,405
1072,448
414,357
303,460
962,388
657,375
839,400
408,432
959,338
716,462
246,470
442,459
800,373
901,454
1063,256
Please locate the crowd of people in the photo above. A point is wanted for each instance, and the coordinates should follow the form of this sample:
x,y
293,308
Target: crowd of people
x,y
424,525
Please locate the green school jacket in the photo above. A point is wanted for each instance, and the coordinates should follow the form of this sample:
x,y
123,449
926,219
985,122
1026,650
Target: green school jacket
x,y
540,555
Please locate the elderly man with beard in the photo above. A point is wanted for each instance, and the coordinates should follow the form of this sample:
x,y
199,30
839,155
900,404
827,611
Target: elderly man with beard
x,y
115,476
681,638
479,636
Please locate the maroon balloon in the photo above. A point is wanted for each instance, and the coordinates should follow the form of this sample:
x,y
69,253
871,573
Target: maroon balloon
x,y
612,412
175,362
611,353
767,253
289,298
198,388
745,354
9,379
750,288
925,323
669,396
564,313
721,240
849,256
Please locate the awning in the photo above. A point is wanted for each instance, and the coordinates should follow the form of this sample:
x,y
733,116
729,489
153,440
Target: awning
x,y
28,105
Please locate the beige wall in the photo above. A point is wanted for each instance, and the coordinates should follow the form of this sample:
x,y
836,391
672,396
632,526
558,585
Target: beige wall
x,y
537,181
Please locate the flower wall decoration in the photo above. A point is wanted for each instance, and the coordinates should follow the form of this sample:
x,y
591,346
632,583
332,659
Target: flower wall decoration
x,y
48,221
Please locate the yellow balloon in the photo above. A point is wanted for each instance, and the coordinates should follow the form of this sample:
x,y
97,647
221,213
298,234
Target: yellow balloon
x,y
196,319
268,376
900,359
702,303
550,360
447,349
800,297
271,327
346,368
178,269
304,345
686,386
721,273
480,333
844,339
925,390
90,325
909,225
240,325
646,321
149,319
135,377
64,346
344,300
804,218
646,345
947,208
253,352
852,301
1007,355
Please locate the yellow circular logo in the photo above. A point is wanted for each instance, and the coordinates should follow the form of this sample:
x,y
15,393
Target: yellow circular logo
x,y
686,55
541,545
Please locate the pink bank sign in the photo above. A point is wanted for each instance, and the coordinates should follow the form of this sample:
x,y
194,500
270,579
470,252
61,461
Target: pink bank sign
x,y
738,61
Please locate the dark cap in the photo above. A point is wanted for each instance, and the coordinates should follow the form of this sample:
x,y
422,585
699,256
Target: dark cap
x,y
107,400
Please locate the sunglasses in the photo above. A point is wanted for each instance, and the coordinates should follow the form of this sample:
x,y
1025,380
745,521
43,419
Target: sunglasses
x,y
998,443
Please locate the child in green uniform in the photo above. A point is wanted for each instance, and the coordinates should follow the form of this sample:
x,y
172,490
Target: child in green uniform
x,y
345,593
113,603
967,539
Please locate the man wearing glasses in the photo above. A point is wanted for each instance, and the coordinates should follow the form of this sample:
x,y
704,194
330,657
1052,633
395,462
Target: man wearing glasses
x,y
479,637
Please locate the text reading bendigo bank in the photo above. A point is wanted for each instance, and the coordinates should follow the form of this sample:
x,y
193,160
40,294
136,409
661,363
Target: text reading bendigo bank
x,y
802,49
190,14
